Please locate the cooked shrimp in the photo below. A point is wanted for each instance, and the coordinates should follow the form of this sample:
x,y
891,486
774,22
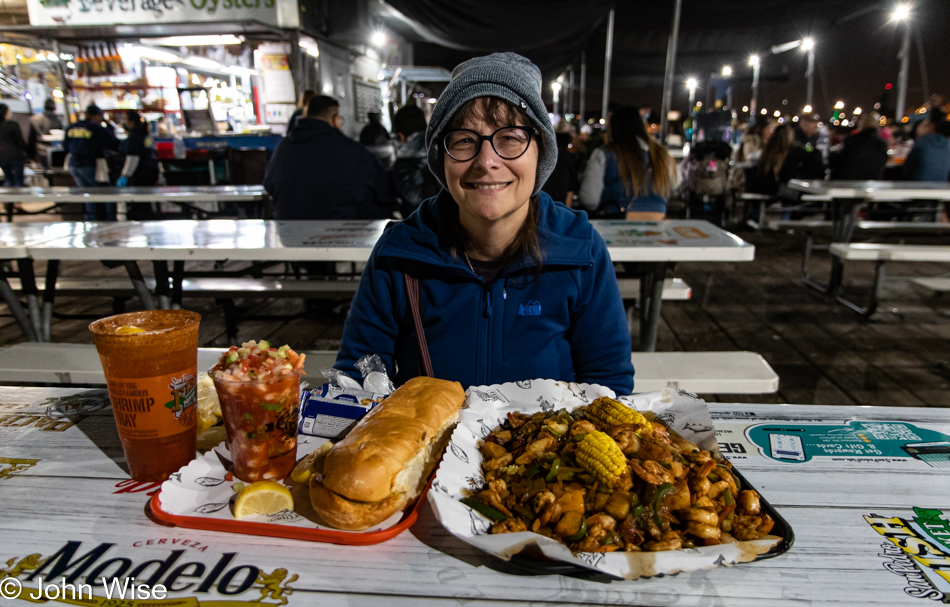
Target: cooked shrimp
x,y
705,503
651,472
748,502
601,520
582,427
699,515
498,462
678,470
716,489
626,437
668,541
535,449
706,532
652,450
509,525
748,527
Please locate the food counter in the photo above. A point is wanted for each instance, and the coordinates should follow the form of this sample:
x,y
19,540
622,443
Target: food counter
x,y
865,491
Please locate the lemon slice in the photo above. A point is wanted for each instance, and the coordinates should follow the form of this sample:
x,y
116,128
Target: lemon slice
x,y
129,329
263,497
310,464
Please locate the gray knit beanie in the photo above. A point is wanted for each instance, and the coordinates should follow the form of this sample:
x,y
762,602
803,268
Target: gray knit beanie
x,y
508,76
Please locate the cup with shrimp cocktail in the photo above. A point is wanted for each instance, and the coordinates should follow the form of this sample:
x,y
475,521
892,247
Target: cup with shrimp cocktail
x,y
259,390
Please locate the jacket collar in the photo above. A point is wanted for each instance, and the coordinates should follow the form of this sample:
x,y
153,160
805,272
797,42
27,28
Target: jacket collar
x,y
426,236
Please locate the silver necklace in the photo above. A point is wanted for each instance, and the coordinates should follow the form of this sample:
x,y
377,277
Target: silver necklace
x,y
468,261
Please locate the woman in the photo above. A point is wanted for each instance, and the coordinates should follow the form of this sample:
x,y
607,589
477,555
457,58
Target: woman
x,y
301,111
783,160
512,286
12,149
750,149
140,167
632,175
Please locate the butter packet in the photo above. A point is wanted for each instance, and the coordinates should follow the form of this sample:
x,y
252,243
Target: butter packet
x,y
330,411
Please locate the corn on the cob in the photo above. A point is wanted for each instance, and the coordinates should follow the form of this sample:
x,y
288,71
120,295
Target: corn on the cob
x,y
607,412
601,457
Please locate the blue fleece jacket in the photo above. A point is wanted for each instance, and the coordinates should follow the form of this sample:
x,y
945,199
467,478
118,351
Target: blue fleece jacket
x,y
929,159
566,323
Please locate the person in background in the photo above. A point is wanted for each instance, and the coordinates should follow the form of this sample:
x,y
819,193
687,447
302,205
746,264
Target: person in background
x,y
301,111
929,159
140,167
562,184
412,178
806,133
750,149
377,140
784,159
13,149
863,153
511,285
318,173
40,125
631,176
86,144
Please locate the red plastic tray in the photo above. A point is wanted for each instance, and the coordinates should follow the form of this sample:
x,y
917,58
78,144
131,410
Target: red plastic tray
x,y
329,536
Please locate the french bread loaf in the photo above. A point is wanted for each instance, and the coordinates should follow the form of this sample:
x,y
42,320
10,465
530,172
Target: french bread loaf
x,y
385,461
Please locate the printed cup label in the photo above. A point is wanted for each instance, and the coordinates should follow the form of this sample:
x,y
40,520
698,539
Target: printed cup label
x,y
155,407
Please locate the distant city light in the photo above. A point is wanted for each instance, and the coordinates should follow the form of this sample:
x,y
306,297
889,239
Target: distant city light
x,y
727,70
808,44
71,65
776,113
844,122
763,111
784,101
794,118
901,12
905,119
807,109
745,108
888,86
839,105
602,121
857,111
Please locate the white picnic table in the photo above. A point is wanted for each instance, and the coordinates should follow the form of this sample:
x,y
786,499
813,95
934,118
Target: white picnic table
x,y
844,199
864,490
656,246
181,195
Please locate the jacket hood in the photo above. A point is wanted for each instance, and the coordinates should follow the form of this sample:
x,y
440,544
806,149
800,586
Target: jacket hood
x,y
308,128
427,235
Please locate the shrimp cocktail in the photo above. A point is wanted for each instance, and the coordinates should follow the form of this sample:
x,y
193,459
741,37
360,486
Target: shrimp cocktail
x,y
259,390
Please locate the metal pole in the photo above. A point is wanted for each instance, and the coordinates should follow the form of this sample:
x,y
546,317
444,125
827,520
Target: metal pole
x,y
570,93
61,76
670,70
902,77
810,73
583,99
608,57
923,66
754,103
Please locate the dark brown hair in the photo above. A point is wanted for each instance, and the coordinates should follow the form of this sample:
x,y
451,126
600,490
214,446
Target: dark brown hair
x,y
625,130
499,113
776,151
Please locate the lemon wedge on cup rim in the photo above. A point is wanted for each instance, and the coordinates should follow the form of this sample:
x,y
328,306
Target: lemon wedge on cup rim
x,y
263,497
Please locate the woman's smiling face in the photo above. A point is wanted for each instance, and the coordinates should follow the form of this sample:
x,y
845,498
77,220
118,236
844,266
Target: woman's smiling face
x,y
489,188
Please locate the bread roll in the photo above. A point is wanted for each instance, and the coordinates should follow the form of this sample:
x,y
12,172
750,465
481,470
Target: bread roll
x,y
385,461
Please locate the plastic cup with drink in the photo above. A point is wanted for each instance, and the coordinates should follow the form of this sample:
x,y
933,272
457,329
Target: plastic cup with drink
x,y
259,390
150,361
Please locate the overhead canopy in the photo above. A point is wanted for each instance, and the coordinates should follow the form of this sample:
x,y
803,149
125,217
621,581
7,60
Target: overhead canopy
x,y
67,34
853,38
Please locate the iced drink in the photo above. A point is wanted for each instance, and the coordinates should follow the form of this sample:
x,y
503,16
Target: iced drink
x,y
259,390
150,362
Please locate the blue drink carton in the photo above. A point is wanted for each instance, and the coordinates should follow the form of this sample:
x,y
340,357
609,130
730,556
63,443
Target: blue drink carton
x,y
330,412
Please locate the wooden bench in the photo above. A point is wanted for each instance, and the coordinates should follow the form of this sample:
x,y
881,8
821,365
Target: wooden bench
x,y
880,254
697,372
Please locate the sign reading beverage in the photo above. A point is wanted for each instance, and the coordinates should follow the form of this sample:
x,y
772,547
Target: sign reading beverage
x,y
113,12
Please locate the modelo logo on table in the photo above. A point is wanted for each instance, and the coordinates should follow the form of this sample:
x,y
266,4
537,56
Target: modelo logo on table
x,y
82,573
919,550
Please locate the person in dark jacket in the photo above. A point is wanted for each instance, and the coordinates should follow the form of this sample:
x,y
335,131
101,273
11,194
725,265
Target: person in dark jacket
x,y
412,178
563,182
86,144
929,159
863,154
511,285
378,141
318,173
13,150
140,167
784,159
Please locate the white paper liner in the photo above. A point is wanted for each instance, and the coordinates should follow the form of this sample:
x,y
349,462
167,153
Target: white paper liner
x,y
487,407
200,490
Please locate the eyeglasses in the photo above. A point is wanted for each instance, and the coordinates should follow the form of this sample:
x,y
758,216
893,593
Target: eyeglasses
x,y
342,119
509,142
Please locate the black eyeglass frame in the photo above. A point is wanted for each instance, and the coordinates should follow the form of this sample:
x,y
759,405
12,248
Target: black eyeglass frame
x,y
530,130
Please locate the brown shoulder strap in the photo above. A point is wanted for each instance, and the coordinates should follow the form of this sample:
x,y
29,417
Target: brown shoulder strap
x,y
412,292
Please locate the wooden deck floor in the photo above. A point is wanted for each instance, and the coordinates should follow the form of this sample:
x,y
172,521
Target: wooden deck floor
x,y
823,353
